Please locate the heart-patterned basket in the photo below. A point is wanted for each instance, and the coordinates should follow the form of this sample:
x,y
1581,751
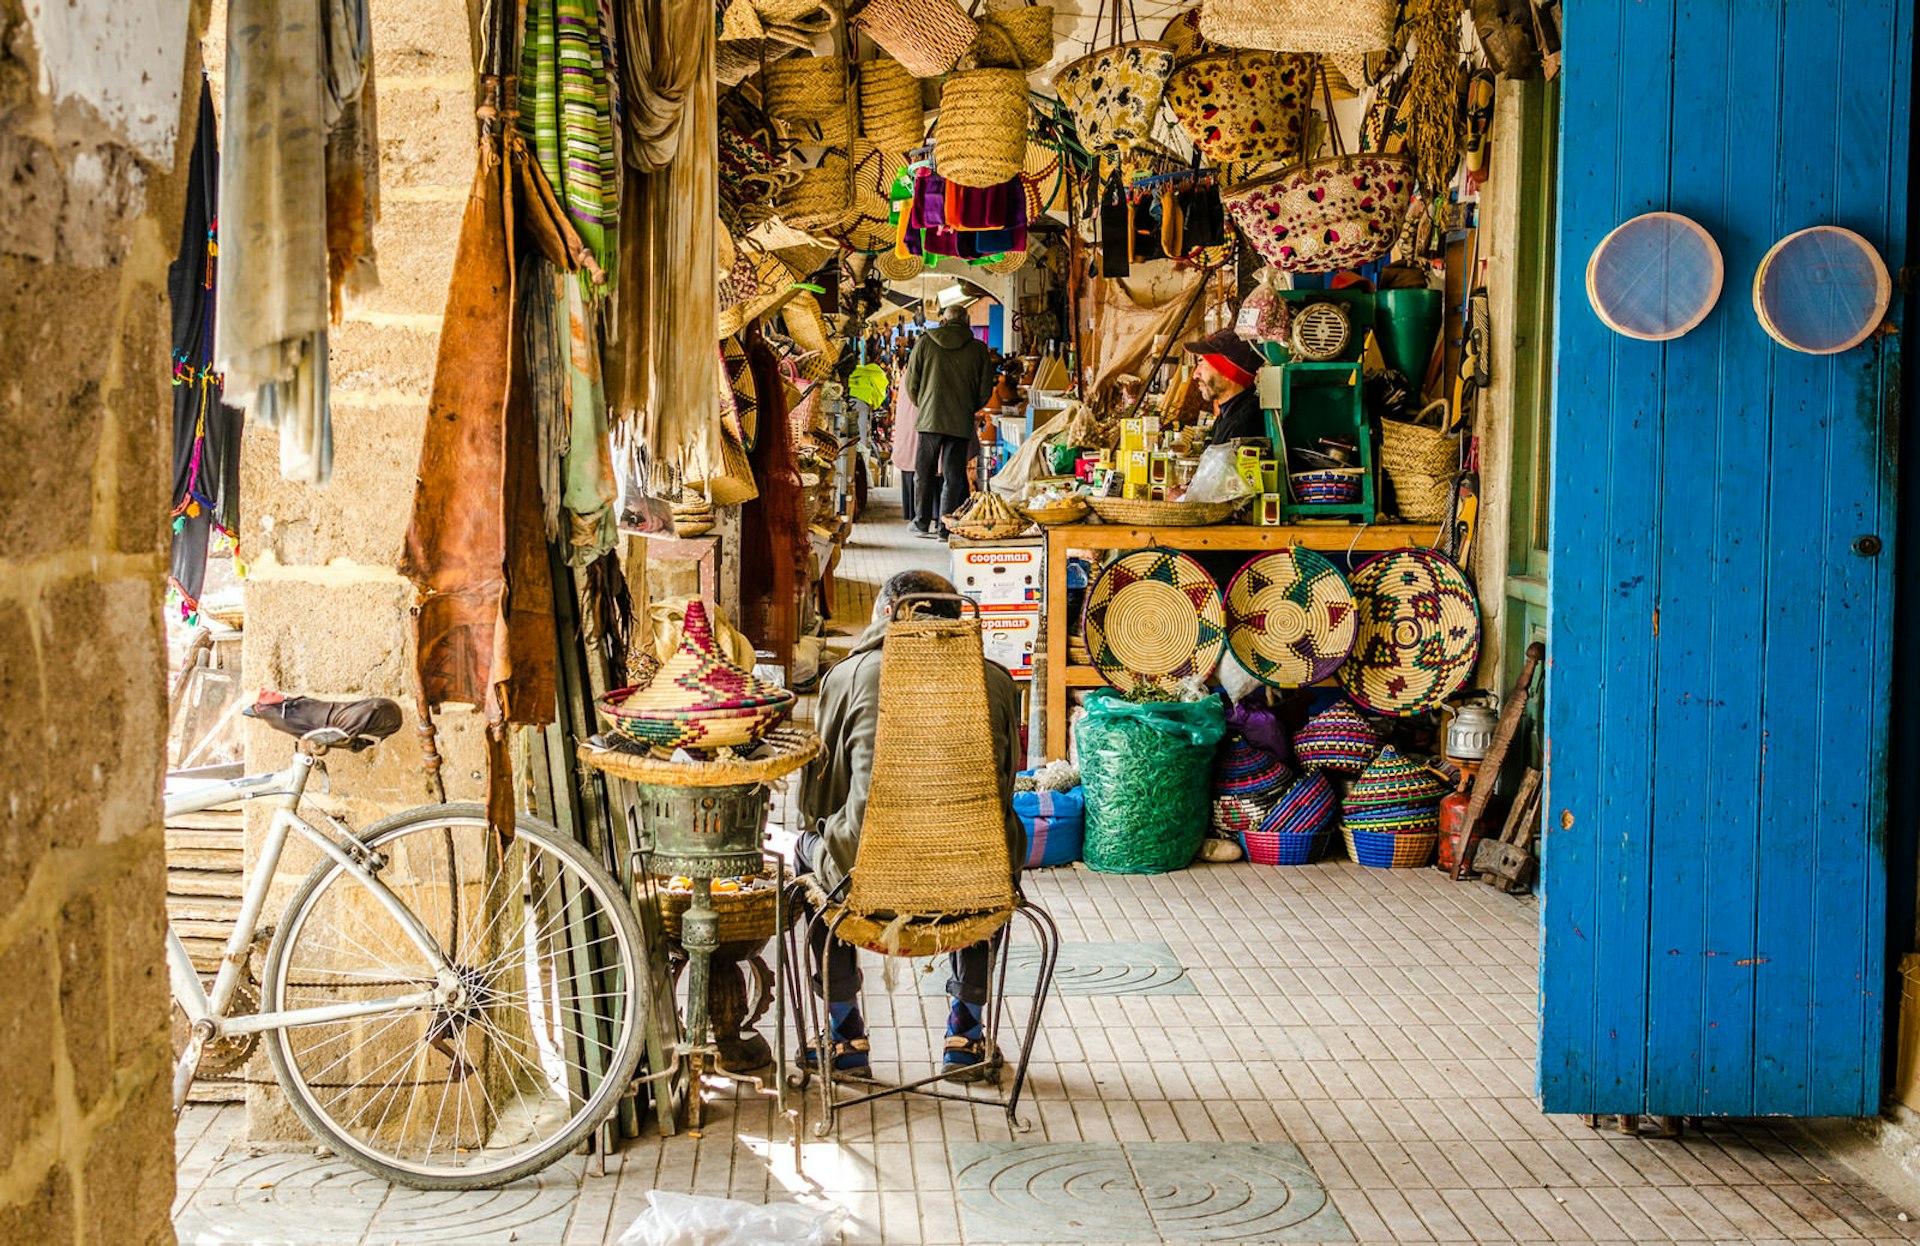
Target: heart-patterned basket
x,y
1240,106
1328,215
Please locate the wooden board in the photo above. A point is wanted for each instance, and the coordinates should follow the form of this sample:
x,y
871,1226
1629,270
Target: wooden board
x,y
206,852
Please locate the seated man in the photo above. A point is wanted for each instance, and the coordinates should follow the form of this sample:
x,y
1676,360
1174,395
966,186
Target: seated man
x,y
834,807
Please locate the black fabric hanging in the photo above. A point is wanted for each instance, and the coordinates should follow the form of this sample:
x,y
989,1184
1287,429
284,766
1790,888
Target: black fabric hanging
x,y
1116,228
206,432
1203,217
1143,213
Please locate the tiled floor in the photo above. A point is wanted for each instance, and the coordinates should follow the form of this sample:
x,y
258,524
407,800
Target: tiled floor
x,y
1328,1078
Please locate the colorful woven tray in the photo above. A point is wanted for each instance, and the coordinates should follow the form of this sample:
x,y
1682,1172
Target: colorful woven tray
x,y
1419,632
1290,618
1336,739
1153,620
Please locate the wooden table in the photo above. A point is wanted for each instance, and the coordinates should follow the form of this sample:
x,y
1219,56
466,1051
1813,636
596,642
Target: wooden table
x,y
1332,538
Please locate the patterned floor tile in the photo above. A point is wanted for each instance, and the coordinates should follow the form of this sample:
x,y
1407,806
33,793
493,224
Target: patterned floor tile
x,y
1153,1191
1092,969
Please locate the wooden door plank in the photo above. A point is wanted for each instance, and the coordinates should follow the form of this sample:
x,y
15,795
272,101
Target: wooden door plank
x,y
1590,153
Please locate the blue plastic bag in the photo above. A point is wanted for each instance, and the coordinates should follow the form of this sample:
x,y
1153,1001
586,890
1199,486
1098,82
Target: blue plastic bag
x,y
1056,823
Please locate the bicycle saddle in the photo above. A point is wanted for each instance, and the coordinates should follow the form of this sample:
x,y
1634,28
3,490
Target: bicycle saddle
x,y
364,723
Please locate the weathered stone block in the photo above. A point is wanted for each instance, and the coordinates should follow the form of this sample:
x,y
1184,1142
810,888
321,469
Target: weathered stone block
x,y
362,519
129,1171
416,255
382,358
25,1050
44,1215
137,976
342,633
85,1007
408,37
427,137
143,423
23,827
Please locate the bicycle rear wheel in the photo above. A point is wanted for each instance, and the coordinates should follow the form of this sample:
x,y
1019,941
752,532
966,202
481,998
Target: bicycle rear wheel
x,y
502,1081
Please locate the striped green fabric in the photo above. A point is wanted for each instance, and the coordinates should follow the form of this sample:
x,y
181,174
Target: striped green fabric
x,y
566,115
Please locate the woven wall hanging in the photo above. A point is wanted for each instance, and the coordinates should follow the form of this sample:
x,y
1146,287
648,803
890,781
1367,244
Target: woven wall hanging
x,y
1419,632
1290,617
1154,619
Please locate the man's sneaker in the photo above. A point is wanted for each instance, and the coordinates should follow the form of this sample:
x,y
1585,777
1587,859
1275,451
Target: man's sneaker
x,y
846,1044
968,1055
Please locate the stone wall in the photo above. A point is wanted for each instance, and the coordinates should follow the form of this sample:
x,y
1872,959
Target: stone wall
x,y
327,614
94,130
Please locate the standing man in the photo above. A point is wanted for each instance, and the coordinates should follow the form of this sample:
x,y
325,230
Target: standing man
x,y
949,378
1225,376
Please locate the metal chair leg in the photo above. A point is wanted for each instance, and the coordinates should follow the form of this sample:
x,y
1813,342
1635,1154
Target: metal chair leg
x,y
1047,935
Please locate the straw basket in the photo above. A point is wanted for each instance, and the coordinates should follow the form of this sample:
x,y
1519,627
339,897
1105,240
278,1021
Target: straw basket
x,y
1419,461
784,10
1241,106
1335,213
933,848
866,226
1328,27
1070,511
895,267
1168,514
819,200
891,114
927,36
806,88
746,916
1114,93
1008,262
1028,31
981,138
986,530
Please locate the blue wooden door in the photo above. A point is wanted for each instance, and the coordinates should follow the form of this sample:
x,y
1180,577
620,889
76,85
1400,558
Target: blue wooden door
x,y
1714,865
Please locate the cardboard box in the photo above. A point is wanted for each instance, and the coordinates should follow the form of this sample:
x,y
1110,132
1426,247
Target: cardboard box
x,y
1139,468
1002,575
1008,635
1131,437
1247,463
1270,510
1159,469
1269,477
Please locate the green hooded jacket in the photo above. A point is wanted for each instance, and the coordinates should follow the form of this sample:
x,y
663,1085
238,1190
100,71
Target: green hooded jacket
x,y
949,377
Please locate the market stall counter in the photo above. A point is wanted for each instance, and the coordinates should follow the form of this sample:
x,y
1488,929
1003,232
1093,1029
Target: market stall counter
x,y
1062,674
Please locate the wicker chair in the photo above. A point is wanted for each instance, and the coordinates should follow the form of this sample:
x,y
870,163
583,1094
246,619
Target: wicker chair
x,y
931,875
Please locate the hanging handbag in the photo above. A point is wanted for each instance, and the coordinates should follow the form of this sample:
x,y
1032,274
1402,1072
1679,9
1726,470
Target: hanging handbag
x,y
927,36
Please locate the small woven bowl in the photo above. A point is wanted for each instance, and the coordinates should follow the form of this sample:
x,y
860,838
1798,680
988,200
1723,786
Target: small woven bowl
x,y
1071,511
1280,848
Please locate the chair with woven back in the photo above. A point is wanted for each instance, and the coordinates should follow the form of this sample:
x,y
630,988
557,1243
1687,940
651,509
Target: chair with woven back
x,y
931,874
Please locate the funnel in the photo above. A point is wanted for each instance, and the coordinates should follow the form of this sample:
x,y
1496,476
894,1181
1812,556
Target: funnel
x,y
1406,322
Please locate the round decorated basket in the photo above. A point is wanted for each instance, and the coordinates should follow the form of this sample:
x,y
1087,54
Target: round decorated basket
x,y
1143,512
1332,486
1418,635
1153,621
1337,740
1290,617
1297,829
1388,851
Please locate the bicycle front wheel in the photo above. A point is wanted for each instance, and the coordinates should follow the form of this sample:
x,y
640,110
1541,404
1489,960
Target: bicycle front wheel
x,y
539,1038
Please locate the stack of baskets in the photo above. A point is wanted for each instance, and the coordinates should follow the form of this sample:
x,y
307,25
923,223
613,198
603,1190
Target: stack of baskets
x,y
1246,779
1296,830
697,699
1391,815
1419,462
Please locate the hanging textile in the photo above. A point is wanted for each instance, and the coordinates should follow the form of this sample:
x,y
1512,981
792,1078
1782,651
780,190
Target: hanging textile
x,y
296,207
475,549
659,359
566,116
773,526
206,431
662,45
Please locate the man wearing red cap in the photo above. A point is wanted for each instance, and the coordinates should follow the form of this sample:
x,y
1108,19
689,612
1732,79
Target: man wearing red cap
x,y
1225,377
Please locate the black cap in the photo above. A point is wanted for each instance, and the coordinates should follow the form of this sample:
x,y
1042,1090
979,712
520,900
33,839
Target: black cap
x,y
1232,347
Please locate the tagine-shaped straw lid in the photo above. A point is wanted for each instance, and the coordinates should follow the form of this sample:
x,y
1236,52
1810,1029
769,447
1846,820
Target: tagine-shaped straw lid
x,y
699,677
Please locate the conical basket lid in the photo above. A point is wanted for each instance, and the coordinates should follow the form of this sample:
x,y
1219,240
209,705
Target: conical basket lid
x,y
1391,779
699,677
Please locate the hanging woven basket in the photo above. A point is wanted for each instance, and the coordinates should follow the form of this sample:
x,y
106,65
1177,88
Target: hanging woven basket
x,y
818,201
1114,93
1327,27
1420,463
1028,32
891,114
806,88
1242,106
981,138
895,267
867,227
927,36
1335,213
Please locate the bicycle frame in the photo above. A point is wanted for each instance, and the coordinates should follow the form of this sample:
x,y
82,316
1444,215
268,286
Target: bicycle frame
x,y
206,1010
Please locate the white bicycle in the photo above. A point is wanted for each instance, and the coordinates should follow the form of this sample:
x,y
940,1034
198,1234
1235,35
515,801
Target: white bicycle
x,y
445,1010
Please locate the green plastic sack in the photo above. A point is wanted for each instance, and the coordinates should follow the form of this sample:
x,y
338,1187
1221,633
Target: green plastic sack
x,y
1062,459
1147,767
